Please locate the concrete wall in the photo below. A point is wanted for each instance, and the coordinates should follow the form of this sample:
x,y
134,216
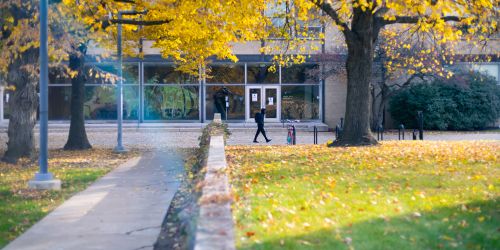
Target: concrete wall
x,y
335,95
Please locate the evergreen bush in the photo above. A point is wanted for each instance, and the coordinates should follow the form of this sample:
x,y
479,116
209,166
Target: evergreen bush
x,y
467,101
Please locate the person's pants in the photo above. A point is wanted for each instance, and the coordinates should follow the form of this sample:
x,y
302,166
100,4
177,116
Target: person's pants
x,y
260,129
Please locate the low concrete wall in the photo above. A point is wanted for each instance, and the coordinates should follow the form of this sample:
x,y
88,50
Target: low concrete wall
x,y
215,229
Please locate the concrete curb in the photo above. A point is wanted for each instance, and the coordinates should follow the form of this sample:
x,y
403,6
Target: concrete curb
x,y
215,229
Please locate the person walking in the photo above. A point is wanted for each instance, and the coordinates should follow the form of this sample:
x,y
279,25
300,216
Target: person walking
x,y
259,119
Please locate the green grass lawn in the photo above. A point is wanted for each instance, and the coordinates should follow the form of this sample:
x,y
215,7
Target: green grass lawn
x,y
21,207
398,195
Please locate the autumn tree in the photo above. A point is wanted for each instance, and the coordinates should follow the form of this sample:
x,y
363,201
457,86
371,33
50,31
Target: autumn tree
x,y
81,36
19,42
189,32
404,58
361,22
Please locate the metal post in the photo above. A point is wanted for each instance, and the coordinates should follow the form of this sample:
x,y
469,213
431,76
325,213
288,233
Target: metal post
x,y
420,119
381,132
141,92
43,179
314,135
119,92
294,135
1,103
227,105
43,90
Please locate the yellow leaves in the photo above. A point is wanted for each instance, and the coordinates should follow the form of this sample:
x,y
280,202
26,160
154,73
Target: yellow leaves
x,y
249,234
331,182
408,180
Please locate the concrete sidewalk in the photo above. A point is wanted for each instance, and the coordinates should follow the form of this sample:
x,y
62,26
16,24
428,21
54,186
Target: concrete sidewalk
x,y
123,210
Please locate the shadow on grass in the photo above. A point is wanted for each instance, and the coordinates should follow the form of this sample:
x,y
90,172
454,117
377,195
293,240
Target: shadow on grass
x,y
473,225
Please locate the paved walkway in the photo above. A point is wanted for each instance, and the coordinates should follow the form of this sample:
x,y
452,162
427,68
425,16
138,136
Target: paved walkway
x,y
123,210
150,139
154,138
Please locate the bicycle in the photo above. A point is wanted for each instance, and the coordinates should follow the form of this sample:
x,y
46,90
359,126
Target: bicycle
x,y
291,138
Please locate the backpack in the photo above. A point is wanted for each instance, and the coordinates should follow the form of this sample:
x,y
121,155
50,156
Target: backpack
x,y
257,117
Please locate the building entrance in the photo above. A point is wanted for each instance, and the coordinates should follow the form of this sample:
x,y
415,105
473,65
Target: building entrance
x,y
267,97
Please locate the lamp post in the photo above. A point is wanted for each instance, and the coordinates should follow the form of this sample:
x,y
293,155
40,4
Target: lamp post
x,y
44,179
119,91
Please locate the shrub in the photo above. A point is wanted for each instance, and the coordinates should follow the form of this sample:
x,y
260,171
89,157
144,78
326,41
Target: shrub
x,y
467,101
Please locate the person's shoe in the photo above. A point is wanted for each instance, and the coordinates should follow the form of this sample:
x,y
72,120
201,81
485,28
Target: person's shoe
x,y
255,141
269,140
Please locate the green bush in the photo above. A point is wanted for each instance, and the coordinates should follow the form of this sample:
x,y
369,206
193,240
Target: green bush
x,y
468,101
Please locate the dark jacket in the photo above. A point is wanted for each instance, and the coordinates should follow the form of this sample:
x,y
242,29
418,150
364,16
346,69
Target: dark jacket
x,y
259,118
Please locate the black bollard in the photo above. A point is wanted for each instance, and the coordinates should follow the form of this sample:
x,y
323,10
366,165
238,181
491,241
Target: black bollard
x,y
337,132
294,135
414,134
381,132
420,119
315,135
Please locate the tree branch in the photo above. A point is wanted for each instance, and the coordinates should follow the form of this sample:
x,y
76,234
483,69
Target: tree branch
x,y
413,19
328,9
139,22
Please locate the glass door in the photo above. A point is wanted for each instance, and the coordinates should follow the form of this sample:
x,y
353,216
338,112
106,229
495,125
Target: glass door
x,y
254,102
271,102
263,97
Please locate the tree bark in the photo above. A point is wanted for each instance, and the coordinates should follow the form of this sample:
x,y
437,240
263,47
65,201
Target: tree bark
x,y
360,43
77,137
23,105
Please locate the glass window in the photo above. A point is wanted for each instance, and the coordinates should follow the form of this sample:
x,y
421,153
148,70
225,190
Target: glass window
x,y
301,73
174,102
215,102
6,110
300,102
487,69
130,102
107,73
277,12
260,73
59,103
166,74
226,73
100,103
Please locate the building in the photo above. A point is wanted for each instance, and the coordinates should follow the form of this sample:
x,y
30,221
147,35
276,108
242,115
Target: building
x,y
155,92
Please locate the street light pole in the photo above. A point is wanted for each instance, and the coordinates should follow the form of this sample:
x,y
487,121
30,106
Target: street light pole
x,y
119,92
44,179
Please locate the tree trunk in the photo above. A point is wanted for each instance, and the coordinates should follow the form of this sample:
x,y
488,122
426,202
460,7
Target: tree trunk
x,y
23,106
77,138
360,44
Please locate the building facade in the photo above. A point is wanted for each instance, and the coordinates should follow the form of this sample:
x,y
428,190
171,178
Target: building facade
x,y
155,92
